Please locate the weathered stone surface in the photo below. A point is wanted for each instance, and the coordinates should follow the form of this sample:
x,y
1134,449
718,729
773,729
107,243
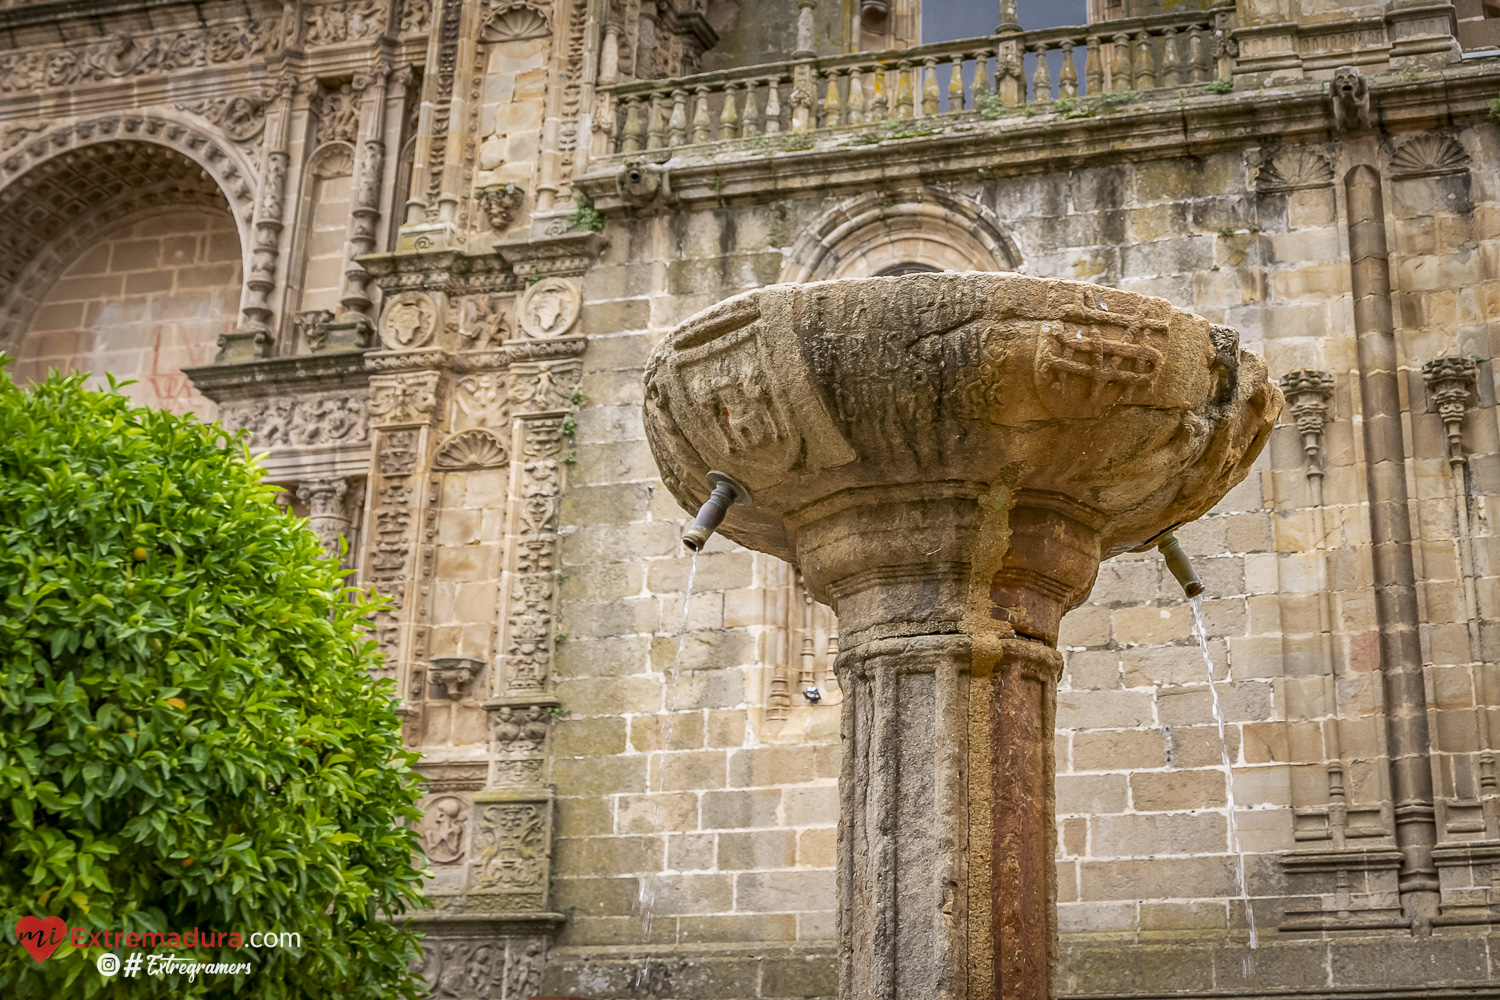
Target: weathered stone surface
x,y
900,442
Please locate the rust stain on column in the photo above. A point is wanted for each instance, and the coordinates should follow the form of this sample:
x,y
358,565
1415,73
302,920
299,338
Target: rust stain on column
x,y
1023,891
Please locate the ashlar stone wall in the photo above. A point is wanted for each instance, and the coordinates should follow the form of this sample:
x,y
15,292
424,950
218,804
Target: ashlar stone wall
x,y
717,842
145,301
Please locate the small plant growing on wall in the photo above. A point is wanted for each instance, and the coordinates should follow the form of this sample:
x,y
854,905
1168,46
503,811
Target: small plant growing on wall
x,y
1495,110
585,216
191,735
1224,86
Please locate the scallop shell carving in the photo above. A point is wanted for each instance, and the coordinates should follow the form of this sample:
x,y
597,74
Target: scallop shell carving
x,y
472,449
1429,155
1296,169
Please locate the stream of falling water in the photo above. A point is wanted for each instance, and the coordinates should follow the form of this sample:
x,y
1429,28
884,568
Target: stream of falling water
x,y
1234,829
647,896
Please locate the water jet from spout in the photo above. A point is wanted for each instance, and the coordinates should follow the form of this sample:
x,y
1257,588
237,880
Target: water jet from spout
x,y
727,492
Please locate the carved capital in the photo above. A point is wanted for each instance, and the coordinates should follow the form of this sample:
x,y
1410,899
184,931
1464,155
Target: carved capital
x,y
326,516
1307,392
1450,384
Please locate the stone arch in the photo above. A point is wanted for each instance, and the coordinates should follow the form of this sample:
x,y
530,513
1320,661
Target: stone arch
x,y
920,227
66,185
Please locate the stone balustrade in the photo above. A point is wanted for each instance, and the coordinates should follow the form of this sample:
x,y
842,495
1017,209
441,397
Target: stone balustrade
x,y
1013,72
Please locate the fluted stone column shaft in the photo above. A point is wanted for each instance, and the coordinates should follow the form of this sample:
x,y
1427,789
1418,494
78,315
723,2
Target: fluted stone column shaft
x,y
1390,535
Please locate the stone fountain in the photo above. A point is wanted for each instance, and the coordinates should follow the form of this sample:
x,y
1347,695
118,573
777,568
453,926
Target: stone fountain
x,y
947,458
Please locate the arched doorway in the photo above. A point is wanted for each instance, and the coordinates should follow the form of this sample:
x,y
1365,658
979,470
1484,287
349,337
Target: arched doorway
x,y
120,256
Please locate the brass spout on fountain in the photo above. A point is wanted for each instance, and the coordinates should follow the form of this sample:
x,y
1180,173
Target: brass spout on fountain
x,y
1177,562
727,492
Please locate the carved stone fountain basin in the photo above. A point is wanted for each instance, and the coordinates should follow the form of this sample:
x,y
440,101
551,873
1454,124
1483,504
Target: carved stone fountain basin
x,y
947,458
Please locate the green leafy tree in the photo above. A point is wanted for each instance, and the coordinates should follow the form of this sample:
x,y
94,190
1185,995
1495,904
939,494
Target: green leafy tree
x,y
190,736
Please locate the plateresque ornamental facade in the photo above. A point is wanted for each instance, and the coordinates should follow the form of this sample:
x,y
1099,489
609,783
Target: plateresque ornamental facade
x,y
420,250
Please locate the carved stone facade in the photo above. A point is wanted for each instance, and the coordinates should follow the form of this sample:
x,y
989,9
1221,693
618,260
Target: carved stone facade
x,y
367,235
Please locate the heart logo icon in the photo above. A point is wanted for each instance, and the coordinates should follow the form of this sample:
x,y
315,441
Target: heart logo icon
x,y
41,937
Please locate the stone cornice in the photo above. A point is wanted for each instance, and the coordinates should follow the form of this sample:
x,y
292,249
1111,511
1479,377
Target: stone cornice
x,y
961,147
302,373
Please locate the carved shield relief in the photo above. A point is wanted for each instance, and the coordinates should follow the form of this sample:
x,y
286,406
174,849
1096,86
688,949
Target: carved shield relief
x,y
744,379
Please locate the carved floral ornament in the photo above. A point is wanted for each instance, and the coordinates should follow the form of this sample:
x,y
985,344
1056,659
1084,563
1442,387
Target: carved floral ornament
x,y
121,56
334,418
550,307
484,969
409,321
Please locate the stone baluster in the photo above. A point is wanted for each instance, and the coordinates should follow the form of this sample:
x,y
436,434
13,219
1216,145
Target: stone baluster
x,y
729,115
1171,60
1093,68
956,85
858,114
326,516
981,83
701,118
677,125
1197,56
833,107
773,106
879,104
1041,80
1145,62
905,93
656,127
751,123
1067,76
931,102
1120,74
633,135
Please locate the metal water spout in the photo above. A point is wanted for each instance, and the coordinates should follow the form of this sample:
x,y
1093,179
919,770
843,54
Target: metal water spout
x,y
1177,562
727,492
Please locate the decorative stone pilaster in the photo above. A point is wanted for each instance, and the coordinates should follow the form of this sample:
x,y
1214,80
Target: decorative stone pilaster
x,y
254,337
1450,384
405,390
1307,392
